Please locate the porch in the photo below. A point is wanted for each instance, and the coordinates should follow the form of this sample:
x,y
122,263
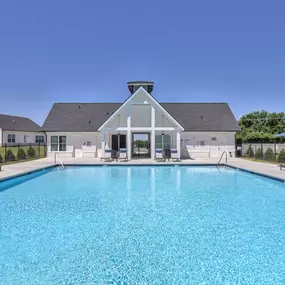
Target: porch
x,y
140,126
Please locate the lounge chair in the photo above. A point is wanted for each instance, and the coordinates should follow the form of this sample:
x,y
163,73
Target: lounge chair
x,y
174,154
282,166
107,155
159,155
123,154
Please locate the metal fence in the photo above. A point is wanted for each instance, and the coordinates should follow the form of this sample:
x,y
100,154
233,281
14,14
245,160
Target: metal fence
x,y
20,152
264,151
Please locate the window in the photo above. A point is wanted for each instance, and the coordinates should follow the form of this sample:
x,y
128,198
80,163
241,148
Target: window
x,y
11,138
213,139
25,138
54,143
40,139
88,143
58,143
62,143
202,143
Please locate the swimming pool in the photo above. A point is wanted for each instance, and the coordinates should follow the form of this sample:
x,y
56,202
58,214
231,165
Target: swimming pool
x,y
142,225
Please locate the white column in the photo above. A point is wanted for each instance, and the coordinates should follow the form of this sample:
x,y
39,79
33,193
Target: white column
x,y
102,137
178,144
152,136
129,134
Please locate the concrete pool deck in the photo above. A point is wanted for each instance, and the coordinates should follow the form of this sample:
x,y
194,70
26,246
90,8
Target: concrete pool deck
x,y
11,170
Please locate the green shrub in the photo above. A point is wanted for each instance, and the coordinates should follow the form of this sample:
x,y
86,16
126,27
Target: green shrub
x,y
31,152
1,158
250,152
269,155
21,154
259,153
9,156
281,156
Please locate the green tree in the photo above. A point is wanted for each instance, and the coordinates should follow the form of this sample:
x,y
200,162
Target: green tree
x,y
269,155
259,153
281,156
9,156
261,126
250,152
31,152
21,154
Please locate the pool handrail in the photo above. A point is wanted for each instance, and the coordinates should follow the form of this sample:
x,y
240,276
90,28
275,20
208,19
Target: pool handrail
x,y
222,157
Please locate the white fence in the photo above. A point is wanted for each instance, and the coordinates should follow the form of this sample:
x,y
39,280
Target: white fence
x,y
255,146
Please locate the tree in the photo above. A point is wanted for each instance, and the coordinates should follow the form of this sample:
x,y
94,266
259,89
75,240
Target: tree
x,y
21,154
31,152
269,155
281,156
9,156
259,153
261,126
250,152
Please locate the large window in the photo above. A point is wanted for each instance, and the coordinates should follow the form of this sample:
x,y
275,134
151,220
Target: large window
x,y
58,143
62,143
11,138
54,143
40,139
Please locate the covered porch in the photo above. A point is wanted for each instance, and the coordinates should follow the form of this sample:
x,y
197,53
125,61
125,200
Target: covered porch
x,y
141,126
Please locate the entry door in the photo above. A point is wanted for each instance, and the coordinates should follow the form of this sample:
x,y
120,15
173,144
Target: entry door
x,y
141,145
115,142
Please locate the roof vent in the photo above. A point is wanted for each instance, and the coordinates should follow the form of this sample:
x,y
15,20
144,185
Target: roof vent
x,y
14,122
88,121
78,106
135,85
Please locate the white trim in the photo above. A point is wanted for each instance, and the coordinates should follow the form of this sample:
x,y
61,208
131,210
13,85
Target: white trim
x,y
130,98
143,129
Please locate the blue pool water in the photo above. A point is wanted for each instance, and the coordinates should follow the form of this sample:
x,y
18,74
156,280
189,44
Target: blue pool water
x,y
142,225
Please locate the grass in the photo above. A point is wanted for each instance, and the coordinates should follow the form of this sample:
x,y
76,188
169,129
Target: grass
x,y
39,153
260,160
19,161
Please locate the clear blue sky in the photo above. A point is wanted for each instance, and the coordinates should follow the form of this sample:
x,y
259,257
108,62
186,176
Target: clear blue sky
x,y
195,51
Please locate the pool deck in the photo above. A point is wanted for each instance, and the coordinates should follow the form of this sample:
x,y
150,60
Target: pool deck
x,y
12,170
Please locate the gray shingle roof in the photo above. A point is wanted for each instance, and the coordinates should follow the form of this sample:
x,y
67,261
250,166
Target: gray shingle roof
x,y
85,117
15,123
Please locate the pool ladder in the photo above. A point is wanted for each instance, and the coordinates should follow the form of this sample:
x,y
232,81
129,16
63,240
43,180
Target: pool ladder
x,y
62,165
222,157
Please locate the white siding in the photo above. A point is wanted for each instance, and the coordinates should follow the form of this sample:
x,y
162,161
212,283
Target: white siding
x,y
30,136
207,144
75,141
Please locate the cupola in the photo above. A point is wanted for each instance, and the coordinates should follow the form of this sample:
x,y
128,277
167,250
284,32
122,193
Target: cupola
x,y
135,85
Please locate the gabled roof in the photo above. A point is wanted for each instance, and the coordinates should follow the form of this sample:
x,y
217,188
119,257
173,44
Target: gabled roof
x,y
88,117
203,116
15,123
151,98
78,117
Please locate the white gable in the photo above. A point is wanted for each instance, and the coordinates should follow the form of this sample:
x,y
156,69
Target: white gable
x,y
139,106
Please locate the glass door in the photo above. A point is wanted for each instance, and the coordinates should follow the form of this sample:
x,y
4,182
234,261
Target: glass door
x,y
141,145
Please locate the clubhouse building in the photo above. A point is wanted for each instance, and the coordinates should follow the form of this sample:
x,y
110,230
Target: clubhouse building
x,y
141,125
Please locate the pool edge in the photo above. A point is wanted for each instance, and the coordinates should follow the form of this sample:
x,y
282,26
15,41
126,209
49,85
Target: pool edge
x,y
27,172
256,173
144,165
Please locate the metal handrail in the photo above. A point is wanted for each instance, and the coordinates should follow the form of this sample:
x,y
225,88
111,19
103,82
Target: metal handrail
x,y
222,157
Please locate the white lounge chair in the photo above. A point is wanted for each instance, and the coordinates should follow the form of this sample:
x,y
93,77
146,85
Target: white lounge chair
x,y
107,155
123,154
159,155
174,154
